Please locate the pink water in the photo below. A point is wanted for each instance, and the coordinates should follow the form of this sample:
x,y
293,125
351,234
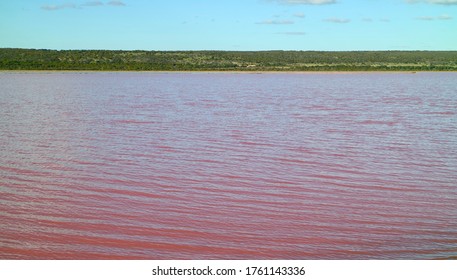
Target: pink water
x,y
228,166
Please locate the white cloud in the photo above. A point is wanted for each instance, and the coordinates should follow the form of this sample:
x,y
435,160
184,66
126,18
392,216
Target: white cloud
x,y
430,18
116,3
443,2
79,6
438,2
299,15
338,20
445,17
93,3
277,22
58,7
426,18
305,2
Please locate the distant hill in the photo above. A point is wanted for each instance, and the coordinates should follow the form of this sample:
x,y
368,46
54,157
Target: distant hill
x,y
105,60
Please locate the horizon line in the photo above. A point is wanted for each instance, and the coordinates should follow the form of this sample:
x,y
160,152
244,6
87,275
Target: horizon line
x,y
227,50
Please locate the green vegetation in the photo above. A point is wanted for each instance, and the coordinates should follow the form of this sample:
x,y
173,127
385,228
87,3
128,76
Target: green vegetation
x,y
31,59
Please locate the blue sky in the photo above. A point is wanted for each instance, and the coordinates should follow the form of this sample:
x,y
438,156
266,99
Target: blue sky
x,y
230,24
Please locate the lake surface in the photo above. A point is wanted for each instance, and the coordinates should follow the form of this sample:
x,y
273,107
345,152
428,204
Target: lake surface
x,y
228,166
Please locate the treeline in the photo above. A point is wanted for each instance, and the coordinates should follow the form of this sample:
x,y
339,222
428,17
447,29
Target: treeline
x,y
32,59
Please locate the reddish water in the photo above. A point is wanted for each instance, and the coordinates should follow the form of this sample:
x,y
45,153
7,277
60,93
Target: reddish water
x,y
228,166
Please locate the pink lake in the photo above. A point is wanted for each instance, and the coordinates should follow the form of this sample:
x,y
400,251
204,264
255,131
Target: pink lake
x,y
228,166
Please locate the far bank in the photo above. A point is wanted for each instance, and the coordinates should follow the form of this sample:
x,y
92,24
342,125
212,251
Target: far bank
x,y
231,61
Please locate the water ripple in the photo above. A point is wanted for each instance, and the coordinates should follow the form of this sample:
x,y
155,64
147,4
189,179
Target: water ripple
x,y
228,166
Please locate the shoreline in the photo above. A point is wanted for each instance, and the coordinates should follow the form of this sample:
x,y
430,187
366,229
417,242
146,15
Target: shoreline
x,y
229,72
